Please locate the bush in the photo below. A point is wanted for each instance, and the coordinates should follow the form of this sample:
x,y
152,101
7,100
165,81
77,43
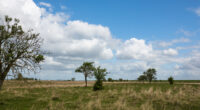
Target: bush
x,y
98,86
171,80
100,76
73,79
120,79
19,76
110,80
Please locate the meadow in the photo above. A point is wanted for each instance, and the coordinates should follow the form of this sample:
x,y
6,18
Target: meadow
x,y
72,95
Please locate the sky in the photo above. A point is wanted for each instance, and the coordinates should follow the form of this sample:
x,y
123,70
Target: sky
x,y
125,37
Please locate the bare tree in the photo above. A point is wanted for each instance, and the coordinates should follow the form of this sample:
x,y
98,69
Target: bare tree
x,y
19,51
87,69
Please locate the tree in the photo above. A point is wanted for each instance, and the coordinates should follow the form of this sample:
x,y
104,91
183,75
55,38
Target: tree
x,y
73,79
19,76
150,74
171,80
120,79
19,51
100,76
110,80
142,78
87,69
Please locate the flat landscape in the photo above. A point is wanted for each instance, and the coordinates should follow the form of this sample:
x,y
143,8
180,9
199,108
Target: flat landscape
x,y
131,95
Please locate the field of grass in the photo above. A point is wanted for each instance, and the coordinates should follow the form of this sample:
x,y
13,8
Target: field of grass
x,y
66,95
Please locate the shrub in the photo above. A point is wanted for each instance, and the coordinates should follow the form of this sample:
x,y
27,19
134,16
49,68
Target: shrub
x,y
120,79
110,80
19,76
100,76
73,79
98,86
171,80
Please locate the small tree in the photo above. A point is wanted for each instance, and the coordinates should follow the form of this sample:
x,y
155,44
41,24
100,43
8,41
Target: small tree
x,y
171,80
73,79
19,50
110,79
142,78
120,79
100,76
150,74
19,76
87,69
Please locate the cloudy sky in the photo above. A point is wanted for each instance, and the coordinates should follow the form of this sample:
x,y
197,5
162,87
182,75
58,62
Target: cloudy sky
x,y
126,37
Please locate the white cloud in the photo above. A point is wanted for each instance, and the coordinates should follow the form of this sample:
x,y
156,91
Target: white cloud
x,y
180,40
45,4
134,49
72,42
186,32
61,36
63,7
50,61
170,51
197,11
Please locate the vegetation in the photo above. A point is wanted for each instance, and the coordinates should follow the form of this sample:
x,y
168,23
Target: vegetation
x,y
148,75
142,78
73,79
87,69
62,95
110,80
171,80
120,79
19,76
19,50
100,76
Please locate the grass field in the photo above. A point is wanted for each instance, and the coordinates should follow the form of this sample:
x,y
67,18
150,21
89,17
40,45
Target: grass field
x,y
66,95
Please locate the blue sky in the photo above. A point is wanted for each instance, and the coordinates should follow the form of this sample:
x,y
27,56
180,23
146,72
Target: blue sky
x,y
126,37
157,20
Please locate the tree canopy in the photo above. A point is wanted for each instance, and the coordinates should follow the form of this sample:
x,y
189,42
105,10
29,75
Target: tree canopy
x,y
20,51
87,69
149,75
100,76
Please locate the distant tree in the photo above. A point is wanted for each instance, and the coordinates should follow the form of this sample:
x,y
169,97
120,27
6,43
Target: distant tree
x,y
87,69
142,78
73,79
100,76
110,79
19,51
120,79
150,74
19,76
171,80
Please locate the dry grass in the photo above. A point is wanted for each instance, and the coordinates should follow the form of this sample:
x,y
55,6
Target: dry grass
x,y
62,95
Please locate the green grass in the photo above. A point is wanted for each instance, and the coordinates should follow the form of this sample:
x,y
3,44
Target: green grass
x,y
122,96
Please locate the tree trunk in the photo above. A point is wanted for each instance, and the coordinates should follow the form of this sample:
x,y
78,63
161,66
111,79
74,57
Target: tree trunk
x,y
2,78
85,81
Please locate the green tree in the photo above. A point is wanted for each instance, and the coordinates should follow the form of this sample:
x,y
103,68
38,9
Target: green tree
x,y
110,80
142,78
150,74
100,76
19,51
19,76
171,80
87,69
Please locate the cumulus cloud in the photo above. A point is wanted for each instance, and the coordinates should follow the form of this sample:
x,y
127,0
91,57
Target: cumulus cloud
x,y
134,49
70,42
73,38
